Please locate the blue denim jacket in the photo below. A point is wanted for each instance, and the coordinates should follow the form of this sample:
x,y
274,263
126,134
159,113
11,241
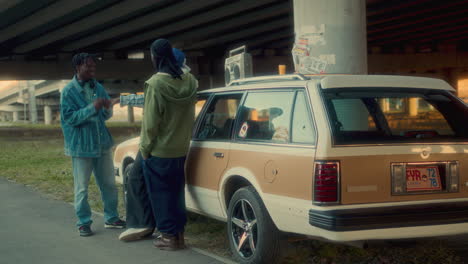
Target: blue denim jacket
x,y
84,129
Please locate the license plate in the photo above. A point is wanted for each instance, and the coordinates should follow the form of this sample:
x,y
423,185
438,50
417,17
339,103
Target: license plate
x,y
425,178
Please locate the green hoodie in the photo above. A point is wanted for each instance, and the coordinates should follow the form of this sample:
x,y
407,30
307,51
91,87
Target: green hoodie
x,y
168,115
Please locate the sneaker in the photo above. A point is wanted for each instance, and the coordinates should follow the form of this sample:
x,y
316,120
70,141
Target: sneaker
x,y
116,224
133,234
85,231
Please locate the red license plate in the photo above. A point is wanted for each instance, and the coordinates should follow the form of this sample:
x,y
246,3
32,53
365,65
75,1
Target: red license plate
x,y
425,178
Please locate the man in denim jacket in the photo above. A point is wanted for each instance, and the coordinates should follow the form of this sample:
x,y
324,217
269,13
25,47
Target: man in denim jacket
x,y
84,108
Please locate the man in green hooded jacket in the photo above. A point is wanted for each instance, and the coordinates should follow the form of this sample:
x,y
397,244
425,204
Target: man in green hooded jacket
x,y
168,118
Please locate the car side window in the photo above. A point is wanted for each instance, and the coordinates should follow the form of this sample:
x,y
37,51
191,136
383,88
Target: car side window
x,y
219,117
302,130
266,116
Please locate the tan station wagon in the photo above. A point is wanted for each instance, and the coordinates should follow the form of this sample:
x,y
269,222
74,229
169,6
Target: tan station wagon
x,y
338,157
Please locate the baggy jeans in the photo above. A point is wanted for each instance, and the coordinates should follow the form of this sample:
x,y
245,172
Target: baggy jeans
x,y
103,170
139,211
165,180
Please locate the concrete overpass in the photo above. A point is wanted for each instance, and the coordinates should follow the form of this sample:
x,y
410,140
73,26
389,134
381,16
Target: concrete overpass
x,y
38,101
38,38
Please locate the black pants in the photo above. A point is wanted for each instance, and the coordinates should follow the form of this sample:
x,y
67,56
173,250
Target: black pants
x,y
165,180
139,211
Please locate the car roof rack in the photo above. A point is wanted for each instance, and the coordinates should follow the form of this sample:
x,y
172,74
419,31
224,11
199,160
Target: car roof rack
x,y
286,77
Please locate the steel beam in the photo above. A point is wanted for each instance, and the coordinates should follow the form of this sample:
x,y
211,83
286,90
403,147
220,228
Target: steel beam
x,y
118,10
205,17
43,16
241,34
6,4
444,5
161,31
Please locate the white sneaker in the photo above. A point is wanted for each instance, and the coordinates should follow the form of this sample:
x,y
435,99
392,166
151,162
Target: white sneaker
x,y
132,234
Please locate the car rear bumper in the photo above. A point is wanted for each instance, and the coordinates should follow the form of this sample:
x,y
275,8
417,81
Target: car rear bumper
x,y
420,215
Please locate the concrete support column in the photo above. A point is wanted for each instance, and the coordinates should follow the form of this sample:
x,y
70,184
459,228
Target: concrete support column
x,y
330,37
384,105
452,76
334,32
413,105
15,116
108,55
47,115
32,103
131,115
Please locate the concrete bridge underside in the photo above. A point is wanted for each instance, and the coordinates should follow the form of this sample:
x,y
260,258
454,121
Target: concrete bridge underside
x,y
38,39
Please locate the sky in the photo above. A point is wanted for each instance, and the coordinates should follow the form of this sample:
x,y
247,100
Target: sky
x,y
5,85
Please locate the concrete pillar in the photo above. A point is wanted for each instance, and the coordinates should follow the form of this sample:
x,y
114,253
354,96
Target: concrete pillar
x,y
384,105
131,115
110,55
332,35
147,54
15,116
32,103
334,32
452,75
413,105
47,115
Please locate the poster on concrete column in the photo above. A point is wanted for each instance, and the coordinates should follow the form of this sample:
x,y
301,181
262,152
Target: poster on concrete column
x,y
308,39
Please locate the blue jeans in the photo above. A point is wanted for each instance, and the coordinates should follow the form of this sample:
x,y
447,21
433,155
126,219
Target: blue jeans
x,y
103,170
165,180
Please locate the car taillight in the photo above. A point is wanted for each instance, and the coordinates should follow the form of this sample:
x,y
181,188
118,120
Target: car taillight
x,y
327,182
453,176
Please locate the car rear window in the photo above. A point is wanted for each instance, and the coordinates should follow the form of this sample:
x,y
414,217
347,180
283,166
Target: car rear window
x,y
380,115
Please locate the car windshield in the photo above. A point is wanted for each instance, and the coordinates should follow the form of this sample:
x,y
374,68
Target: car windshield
x,y
381,115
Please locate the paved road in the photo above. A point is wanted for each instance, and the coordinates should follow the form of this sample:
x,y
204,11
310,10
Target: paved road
x,y
37,229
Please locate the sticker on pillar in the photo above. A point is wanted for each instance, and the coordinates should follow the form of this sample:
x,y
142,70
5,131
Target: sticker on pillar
x,y
314,65
314,36
328,58
243,130
305,44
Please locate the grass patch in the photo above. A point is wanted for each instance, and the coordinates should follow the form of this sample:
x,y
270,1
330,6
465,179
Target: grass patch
x,y
41,164
57,125
208,234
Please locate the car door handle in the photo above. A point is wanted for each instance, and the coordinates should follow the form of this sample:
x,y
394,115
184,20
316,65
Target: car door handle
x,y
218,154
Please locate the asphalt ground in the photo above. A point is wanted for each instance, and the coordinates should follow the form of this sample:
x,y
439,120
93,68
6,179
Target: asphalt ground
x,y
37,229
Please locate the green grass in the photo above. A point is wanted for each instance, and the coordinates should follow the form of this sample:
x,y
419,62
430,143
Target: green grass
x,y
41,164
57,125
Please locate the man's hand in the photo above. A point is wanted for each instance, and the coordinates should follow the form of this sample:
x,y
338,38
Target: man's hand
x,y
107,103
99,103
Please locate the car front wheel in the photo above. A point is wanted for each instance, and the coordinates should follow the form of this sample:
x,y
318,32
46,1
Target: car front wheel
x,y
253,237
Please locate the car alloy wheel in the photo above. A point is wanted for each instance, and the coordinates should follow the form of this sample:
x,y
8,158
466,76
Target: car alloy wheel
x,y
244,228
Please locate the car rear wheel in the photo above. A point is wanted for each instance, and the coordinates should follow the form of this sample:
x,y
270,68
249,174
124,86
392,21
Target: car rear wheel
x,y
253,237
126,174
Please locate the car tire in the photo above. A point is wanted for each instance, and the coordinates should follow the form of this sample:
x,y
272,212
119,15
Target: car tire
x,y
126,174
251,227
